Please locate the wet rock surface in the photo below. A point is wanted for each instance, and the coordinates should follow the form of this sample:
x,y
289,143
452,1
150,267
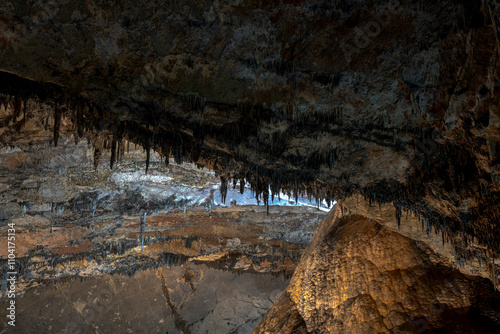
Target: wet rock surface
x,y
357,276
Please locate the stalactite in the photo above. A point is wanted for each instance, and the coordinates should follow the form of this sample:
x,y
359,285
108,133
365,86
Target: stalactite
x,y
177,152
97,156
75,128
121,150
223,188
147,154
242,186
57,122
165,151
265,198
21,106
113,149
18,107
398,214
79,119
196,153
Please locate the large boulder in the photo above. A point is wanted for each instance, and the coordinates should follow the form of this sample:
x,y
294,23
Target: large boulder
x,y
359,277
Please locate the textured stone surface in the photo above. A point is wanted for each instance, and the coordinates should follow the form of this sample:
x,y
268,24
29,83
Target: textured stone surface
x,y
282,318
418,229
178,299
358,277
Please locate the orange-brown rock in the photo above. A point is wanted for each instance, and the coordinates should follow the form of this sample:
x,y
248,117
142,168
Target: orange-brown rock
x,y
358,277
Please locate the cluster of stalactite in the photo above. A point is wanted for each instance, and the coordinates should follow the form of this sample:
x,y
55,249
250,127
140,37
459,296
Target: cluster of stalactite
x,y
153,128
100,127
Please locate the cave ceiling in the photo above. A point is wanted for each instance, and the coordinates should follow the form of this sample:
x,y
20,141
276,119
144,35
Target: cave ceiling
x,y
394,100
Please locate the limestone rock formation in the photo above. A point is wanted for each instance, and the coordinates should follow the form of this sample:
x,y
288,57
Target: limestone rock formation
x,y
77,228
356,276
282,318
